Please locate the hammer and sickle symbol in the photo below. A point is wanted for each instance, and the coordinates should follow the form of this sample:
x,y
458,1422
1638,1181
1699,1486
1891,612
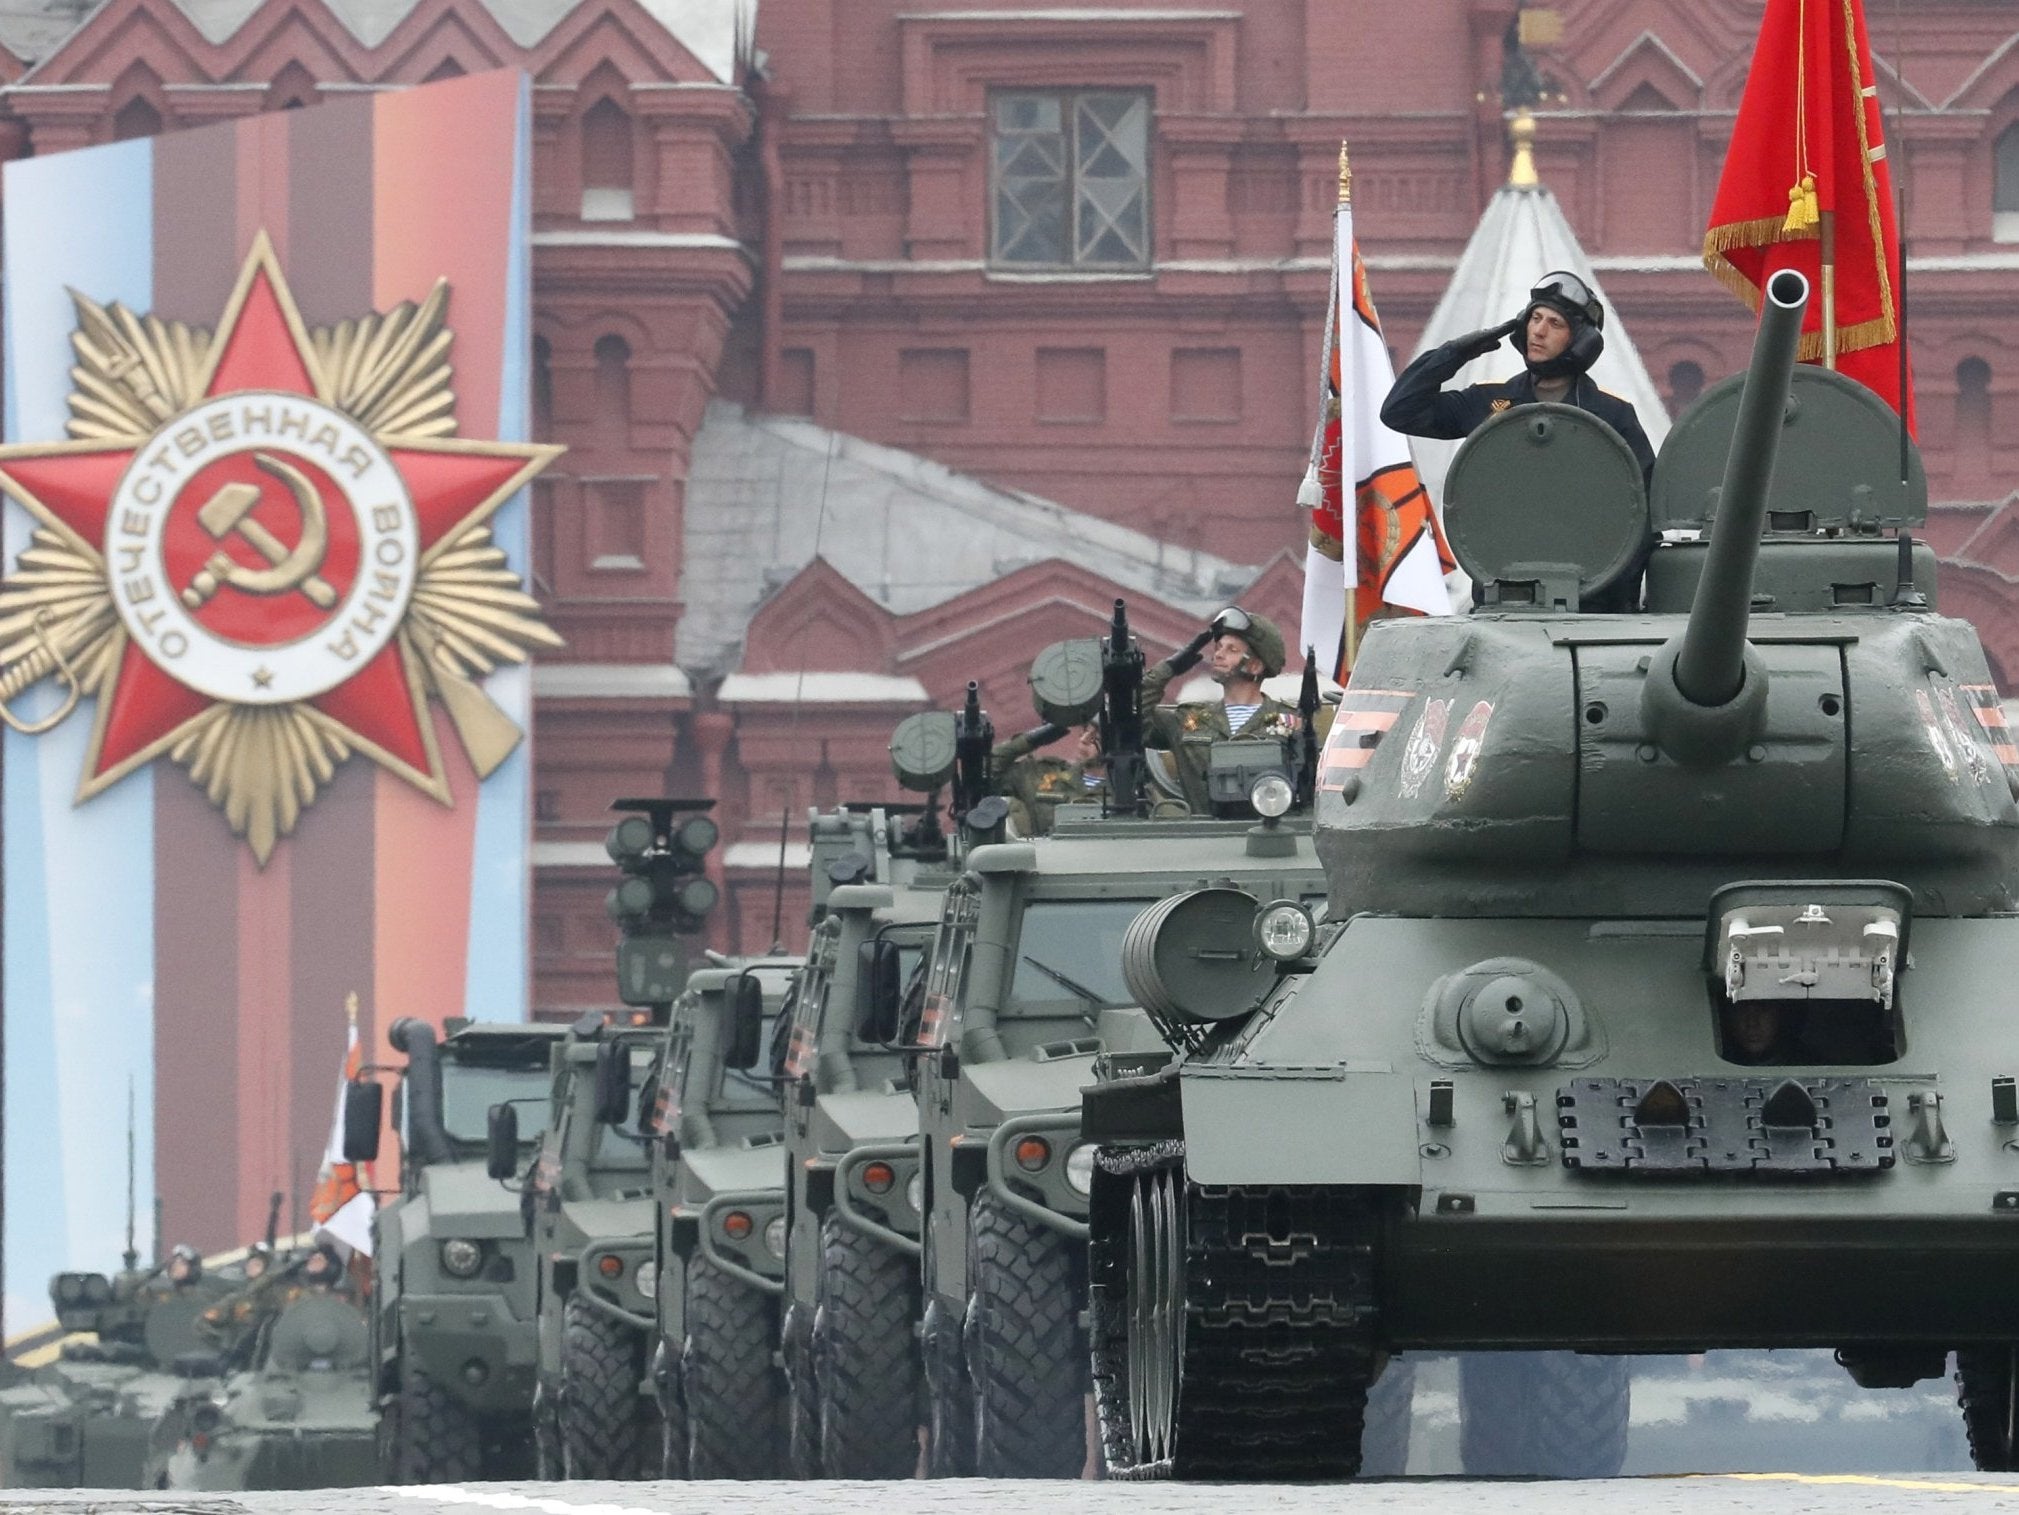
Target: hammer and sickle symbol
x,y
229,510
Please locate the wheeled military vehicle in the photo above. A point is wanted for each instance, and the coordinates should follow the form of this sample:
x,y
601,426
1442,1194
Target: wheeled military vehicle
x,y
1650,1014
453,1342
299,1415
590,1221
718,1167
1023,992
852,1159
84,1420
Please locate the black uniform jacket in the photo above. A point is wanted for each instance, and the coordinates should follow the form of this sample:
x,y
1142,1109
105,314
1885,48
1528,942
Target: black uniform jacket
x,y
1420,406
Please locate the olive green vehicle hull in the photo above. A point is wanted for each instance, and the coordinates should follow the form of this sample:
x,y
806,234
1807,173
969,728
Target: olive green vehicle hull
x,y
280,1458
68,1427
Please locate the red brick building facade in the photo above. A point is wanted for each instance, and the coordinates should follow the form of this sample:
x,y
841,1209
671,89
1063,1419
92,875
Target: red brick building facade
x,y
1073,254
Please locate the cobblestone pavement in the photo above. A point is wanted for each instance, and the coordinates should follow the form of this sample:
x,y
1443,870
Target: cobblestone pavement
x,y
1719,1494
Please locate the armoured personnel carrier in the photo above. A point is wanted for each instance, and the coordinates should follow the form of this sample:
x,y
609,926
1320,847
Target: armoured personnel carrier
x,y
453,1340
852,1156
84,1420
718,1186
299,1415
1649,1014
1022,993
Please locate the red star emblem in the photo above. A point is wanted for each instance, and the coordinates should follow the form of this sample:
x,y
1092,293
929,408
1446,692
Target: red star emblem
x,y
263,546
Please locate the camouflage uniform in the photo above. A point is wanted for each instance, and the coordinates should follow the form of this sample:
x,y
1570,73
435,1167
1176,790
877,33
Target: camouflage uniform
x,y
1188,731
1036,786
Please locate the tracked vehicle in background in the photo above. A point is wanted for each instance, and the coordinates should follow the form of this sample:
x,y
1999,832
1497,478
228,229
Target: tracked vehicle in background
x,y
1659,1007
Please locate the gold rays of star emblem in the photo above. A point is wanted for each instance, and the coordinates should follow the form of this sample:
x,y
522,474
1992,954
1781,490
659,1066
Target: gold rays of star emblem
x,y
262,764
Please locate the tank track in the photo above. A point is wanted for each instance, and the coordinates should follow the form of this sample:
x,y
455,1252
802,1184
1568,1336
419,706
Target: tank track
x,y
1280,1311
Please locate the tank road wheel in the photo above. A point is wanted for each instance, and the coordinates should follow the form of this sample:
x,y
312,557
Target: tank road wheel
x,y
1543,1414
865,1358
602,1419
1025,1358
1228,1343
1987,1387
735,1402
436,1438
1391,1405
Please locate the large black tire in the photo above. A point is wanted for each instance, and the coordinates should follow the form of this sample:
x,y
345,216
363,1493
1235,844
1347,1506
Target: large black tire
x,y
1987,1387
1543,1414
735,1397
672,1410
1026,1358
866,1365
435,1438
602,1414
1384,1433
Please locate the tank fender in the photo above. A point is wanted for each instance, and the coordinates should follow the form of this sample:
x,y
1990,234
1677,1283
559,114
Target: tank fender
x,y
1357,1125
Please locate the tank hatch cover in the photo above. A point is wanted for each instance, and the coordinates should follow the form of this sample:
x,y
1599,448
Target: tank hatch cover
x,y
1066,681
1540,493
1838,466
922,750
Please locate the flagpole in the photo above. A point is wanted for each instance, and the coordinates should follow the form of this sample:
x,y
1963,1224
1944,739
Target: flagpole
x,y
1349,523
1828,231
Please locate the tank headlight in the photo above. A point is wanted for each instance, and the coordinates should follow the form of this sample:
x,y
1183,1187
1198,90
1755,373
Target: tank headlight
x,y
1272,796
646,1279
1080,1168
461,1257
774,1237
1284,931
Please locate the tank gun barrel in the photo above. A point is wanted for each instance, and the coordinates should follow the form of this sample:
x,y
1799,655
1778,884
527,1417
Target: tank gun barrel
x,y
1710,666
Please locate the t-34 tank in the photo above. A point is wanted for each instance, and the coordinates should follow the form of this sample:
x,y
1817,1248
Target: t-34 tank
x,y
1661,1002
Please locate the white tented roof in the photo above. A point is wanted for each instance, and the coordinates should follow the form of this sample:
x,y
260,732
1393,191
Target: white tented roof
x,y
766,495
1522,236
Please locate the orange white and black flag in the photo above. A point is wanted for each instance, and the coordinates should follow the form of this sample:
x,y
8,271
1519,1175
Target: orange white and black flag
x,y
343,1206
1394,558
1806,185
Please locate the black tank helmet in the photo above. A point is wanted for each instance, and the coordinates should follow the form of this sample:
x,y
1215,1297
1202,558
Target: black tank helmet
x,y
1572,298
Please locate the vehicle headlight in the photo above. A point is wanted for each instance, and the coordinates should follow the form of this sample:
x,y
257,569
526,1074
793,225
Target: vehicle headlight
x,y
1272,796
1284,931
914,1192
461,1257
774,1237
647,1278
1080,1168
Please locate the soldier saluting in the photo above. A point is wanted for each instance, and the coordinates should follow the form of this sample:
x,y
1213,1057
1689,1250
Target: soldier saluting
x,y
1240,651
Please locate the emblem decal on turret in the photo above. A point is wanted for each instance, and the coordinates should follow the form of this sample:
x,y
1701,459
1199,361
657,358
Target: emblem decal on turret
x,y
262,549
1426,742
1464,760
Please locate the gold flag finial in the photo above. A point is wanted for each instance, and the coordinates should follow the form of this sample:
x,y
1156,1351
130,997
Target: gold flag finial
x,y
351,1007
1521,172
1345,177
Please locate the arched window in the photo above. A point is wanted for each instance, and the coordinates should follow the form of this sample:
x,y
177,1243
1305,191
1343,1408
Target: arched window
x,y
2005,186
1685,383
1973,419
606,163
613,390
543,389
136,118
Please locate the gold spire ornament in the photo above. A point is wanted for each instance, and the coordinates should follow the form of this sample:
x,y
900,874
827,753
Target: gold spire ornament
x,y
1521,171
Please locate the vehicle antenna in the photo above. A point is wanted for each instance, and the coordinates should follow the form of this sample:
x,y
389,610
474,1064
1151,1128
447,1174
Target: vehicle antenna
x,y
131,1256
798,702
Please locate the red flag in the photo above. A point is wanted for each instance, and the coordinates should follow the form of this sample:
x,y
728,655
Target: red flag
x,y
1806,184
